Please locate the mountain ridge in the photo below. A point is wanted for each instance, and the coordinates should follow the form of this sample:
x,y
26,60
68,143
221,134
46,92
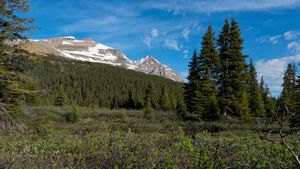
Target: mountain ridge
x,y
91,51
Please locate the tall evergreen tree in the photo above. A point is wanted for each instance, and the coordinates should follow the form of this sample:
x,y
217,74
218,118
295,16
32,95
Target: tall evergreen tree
x,y
148,102
289,87
267,98
12,74
11,27
191,88
164,100
256,103
233,68
208,72
296,119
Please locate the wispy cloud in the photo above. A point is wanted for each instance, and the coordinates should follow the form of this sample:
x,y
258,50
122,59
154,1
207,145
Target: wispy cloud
x,y
172,44
148,39
185,33
294,47
271,39
274,39
291,35
185,53
273,71
209,6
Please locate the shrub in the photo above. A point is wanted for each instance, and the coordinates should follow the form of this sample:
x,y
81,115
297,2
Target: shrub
x,y
72,116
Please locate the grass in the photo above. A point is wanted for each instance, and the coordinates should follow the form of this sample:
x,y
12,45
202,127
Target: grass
x,y
105,138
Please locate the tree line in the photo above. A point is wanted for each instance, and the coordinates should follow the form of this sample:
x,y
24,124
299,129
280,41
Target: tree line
x,y
62,81
221,82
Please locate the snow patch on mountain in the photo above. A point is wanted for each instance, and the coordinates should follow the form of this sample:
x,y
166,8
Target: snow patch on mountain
x,y
89,50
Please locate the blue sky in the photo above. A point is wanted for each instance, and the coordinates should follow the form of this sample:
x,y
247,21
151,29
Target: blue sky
x,y
170,29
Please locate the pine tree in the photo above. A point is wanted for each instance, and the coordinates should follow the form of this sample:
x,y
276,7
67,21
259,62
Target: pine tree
x,y
130,104
191,88
245,115
208,72
256,103
12,74
289,87
164,100
267,98
180,108
296,119
148,102
11,27
233,68
60,99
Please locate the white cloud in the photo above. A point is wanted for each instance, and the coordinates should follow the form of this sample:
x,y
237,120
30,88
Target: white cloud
x,y
294,47
185,53
172,44
154,33
209,6
273,71
148,39
274,39
185,33
291,35
262,39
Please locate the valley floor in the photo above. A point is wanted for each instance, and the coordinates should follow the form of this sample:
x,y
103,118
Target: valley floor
x,y
124,139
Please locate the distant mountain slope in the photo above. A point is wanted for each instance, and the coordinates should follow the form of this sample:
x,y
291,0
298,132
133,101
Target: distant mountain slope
x,y
89,50
97,84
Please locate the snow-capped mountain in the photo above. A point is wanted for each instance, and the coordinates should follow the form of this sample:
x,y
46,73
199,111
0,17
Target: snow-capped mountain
x,y
89,50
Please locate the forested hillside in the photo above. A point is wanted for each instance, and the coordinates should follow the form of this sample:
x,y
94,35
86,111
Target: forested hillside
x,y
96,85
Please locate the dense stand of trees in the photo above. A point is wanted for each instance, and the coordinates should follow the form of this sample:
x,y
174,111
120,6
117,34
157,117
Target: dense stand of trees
x,y
290,95
64,81
221,82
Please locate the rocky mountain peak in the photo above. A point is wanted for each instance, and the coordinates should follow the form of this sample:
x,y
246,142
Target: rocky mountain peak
x,y
91,51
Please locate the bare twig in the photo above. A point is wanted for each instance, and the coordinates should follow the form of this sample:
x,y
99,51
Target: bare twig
x,y
282,120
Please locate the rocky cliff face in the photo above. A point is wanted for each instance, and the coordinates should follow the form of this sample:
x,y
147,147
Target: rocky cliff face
x,y
89,50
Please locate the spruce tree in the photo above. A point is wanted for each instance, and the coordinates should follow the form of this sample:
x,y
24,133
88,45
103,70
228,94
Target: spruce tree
x,y
148,102
60,99
233,68
256,103
296,119
245,115
289,87
12,27
208,72
164,100
267,98
130,104
225,94
12,74
191,88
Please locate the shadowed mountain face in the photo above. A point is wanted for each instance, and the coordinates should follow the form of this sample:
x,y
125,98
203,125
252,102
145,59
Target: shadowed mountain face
x,y
88,50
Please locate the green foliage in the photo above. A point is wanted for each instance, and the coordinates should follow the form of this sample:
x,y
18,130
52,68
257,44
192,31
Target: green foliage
x,y
192,92
11,25
296,119
245,115
256,103
233,68
289,87
97,85
72,116
148,102
164,100
60,99
270,103
212,109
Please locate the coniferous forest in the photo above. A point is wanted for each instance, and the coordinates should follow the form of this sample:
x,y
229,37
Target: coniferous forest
x,y
62,113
